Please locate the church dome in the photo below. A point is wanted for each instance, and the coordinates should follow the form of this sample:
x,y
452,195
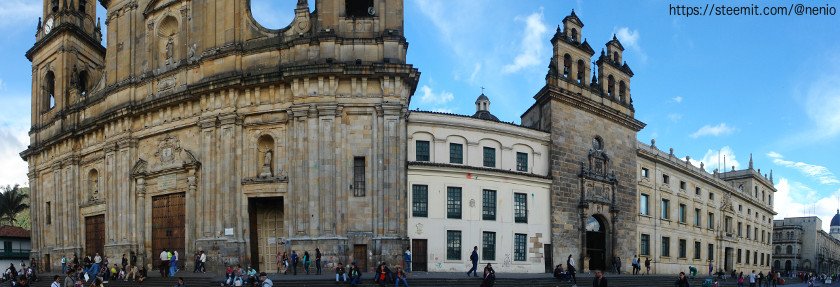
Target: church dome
x,y
482,109
835,221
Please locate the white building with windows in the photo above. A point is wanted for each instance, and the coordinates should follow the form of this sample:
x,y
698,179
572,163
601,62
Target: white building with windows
x,y
475,181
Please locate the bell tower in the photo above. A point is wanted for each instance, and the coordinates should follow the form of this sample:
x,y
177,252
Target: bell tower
x,y
67,57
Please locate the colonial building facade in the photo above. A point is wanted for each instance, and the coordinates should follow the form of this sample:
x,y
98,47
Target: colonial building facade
x,y
198,129
801,245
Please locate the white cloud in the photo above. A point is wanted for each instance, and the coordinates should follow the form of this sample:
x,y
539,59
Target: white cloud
x,y
434,10
19,13
675,117
531,44
715,158
794,199
430,97
709,130
822,103
677,99
474,74
630,40
13,140
821,173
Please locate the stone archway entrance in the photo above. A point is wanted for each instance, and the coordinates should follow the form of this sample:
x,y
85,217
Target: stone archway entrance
x,y
596,242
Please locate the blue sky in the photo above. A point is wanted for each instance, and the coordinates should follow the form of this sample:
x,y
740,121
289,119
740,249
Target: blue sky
x,y
766,85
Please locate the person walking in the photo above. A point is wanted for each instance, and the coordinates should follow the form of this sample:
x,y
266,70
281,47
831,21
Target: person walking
x,y
294,262
173,263
124,262
635,263
355,274
399,275
407,259
682,281
69,281
474,260
752,279
599,280
64,264
741,279
56,280
647,265
164,262
279,261
570,264
618,265
317,261
759,278
306,261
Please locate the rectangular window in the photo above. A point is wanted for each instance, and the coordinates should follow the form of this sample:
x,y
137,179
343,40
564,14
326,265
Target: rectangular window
x,y
453,202
519,241
683,248
711,196
520,208
489,157
727,225
666,179
711,220
698,191
749,230
762,258
359,176
49,213
739,229
682,213
666,246
711,255
665,207
697,250
697,219
682,185
422,150
739,256
522,161
645,244
453,245
488,246
645,172
747,261
643,205
756,234
488,211
420,200
456,153
755,258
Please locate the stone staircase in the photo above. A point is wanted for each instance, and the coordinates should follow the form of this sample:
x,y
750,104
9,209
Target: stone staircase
x,y
536,280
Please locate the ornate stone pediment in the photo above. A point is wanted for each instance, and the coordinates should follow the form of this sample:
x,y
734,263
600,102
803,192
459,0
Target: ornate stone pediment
x,y
158,5
598,192
726,203
597,167
169,155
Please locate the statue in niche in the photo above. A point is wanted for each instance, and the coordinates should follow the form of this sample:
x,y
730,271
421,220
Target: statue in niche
x,y
94,188
170,45
266,167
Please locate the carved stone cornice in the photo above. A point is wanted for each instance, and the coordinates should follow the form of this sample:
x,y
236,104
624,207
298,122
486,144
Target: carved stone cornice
x,y
581,102
207,122
229,119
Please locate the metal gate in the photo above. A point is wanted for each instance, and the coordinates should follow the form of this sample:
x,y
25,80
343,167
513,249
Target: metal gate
x,y
168,226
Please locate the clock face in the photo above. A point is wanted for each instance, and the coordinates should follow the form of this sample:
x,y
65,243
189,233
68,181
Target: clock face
x,y
371,11
48,26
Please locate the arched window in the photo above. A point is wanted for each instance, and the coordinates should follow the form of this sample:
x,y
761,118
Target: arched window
x,y
574,35
82,6
789,249
567,65
778,249
83,83
615,57
611,86
621,91
55,6
580,71
265,156
49,90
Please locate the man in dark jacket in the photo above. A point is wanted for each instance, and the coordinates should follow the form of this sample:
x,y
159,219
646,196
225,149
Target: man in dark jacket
x,y
474,260
599,280
682,281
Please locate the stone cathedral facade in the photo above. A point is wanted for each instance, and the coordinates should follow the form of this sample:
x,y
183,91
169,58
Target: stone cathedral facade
x,y
197,129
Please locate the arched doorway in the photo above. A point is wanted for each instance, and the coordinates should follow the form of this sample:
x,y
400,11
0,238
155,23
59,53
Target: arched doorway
x,y
787,265
777,265
596,242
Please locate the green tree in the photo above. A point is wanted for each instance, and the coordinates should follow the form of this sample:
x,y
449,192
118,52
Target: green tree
x,y
13,201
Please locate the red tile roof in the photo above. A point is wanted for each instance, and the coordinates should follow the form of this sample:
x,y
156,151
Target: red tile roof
x,y
13,231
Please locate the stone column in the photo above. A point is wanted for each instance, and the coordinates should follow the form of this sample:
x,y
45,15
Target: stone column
x,y
327,172
210,224
34,197
228,173
140,219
